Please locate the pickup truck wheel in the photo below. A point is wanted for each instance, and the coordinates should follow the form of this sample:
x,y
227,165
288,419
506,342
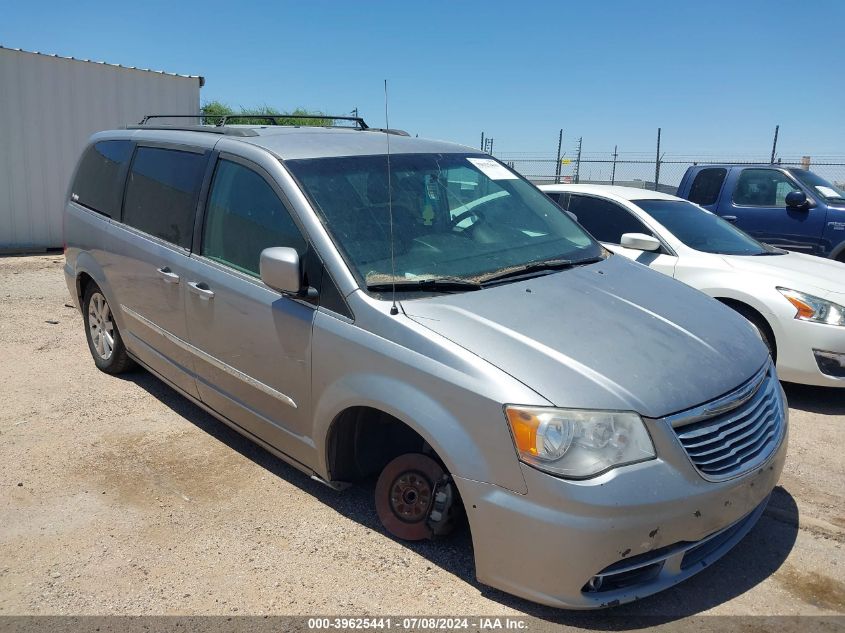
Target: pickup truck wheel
x,y
102,334
405,495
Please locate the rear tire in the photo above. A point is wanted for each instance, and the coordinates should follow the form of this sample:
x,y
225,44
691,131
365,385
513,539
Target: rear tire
x,y
104,340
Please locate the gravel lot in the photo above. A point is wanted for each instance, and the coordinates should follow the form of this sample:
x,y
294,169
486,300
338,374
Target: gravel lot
x,y
118,496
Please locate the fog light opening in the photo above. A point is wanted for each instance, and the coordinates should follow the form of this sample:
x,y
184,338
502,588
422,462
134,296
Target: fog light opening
x,y
830,363
595,583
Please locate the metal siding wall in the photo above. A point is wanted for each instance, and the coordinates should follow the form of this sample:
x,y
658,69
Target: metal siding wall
x,y
49,106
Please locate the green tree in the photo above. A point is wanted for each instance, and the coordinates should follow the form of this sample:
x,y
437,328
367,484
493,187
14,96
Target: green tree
x,y
259,116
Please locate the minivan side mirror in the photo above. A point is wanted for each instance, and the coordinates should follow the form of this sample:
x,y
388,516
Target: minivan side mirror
x,y
640,242
796,200
279,267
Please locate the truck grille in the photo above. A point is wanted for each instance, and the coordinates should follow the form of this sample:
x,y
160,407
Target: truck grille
x,y
736,433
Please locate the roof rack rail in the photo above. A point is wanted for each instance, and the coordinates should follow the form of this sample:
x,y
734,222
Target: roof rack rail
x,y
223,119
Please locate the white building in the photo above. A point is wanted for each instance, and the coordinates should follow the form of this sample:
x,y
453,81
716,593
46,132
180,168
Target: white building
x,y
49,106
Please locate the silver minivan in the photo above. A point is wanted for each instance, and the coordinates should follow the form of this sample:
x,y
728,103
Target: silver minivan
x,y
427,319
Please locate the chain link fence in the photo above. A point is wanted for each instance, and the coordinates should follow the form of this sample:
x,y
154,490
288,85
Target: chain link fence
x,y
643,172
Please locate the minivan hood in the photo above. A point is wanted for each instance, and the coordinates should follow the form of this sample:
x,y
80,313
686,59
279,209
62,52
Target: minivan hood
x,y
610,335
794,270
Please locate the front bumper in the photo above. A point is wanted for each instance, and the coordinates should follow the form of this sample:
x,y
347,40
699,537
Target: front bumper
x,y
650,519
797,361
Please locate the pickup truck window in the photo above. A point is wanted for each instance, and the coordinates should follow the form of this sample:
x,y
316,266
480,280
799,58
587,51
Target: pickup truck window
x,y
707,185
606,221
763,188
819,185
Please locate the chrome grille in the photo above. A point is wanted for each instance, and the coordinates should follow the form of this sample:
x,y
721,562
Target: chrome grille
x,y
736,433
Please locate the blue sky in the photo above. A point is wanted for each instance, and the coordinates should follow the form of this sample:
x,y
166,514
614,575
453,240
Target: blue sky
x,y
716,76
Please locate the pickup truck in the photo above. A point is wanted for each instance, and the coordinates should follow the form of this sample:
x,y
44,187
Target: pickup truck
x,y
789,207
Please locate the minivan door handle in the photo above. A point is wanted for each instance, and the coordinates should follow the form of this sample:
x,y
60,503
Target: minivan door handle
x,y
167,275
201,288
729,218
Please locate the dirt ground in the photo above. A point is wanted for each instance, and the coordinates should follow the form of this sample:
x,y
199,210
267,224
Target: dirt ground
x,y
118,496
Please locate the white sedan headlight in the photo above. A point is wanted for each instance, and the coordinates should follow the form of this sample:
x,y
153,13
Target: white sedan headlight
x,y
816,309
575,443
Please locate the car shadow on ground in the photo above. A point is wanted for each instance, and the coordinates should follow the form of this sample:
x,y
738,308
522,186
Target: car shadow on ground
x,y
751,562
824,400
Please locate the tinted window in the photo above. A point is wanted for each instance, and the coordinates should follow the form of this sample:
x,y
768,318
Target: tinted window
x,y
99,179
161,195
244,217
563,199
707,185
607,221
763,188
453,215
702,230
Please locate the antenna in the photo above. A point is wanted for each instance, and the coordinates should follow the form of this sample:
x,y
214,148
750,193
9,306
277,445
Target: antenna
x,y
393,309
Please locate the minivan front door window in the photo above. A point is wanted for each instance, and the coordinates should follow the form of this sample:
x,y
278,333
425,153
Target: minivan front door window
x,y
244,217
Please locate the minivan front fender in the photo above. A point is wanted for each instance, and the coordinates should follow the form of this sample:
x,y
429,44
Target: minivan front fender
x,y
449,397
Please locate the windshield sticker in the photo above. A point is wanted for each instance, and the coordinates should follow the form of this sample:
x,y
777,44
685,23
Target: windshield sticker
x,y
827,192
492,169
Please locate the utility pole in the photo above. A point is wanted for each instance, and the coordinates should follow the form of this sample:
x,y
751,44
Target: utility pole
x,y
482,141
578,162
355,111
775,144
657,162
613,173
491,146
557,164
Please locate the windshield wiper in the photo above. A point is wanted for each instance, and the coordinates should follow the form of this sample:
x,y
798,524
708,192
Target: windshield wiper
x,y
548,265
434,284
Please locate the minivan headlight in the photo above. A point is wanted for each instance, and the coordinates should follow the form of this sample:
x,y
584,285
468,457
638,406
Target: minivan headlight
x,y
816,309
575,443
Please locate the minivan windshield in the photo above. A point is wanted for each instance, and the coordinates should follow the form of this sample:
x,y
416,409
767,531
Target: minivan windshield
x,y
456,218
819,186
702,230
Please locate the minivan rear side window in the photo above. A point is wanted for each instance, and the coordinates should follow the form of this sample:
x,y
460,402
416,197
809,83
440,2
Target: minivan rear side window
x,y
707,185
245,216
100,177
161,195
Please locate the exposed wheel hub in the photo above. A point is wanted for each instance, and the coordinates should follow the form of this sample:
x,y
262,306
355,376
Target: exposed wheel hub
x,y
410,496
406,495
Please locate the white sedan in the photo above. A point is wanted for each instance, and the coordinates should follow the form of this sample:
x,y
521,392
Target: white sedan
x,y
795,301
